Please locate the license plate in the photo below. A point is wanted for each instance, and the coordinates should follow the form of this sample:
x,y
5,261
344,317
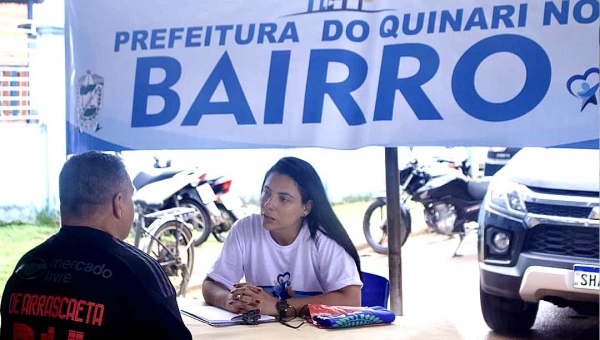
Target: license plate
x,y
231,201
586,277
206,193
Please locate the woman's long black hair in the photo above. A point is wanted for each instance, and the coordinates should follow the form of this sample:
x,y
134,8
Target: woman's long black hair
x,y
321,216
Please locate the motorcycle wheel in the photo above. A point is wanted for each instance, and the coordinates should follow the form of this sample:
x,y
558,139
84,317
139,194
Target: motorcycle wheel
x,y
201,221
369,222
221,232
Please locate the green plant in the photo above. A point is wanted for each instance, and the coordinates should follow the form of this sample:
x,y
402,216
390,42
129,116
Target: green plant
x,y
16,240
46,217
7,223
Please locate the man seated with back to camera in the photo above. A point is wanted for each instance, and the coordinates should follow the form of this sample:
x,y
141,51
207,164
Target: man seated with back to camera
x,y
85,281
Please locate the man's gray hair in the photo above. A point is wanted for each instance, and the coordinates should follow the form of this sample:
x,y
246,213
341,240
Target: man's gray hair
x,y
90,180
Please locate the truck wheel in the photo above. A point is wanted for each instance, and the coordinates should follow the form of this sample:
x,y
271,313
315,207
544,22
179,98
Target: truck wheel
x,y
507,316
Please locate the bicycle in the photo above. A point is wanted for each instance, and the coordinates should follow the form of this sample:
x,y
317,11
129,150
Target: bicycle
x,y
172,237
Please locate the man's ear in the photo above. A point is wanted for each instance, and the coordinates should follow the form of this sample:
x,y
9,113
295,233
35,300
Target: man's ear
x,y
117,205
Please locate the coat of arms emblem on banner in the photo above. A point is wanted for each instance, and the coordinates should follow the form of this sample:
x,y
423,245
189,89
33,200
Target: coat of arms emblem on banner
x,y
90,88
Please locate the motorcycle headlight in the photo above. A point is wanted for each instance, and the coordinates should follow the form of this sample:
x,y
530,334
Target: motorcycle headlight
x,y
508,197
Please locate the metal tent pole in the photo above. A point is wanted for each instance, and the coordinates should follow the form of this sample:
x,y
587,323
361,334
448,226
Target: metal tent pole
x,y
392,188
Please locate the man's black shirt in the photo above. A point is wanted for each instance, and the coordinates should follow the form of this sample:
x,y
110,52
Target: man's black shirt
x,y
82,283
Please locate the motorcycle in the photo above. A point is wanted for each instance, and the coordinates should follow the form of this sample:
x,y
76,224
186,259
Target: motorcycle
x,y
464,166
183,188
230,205
450,200
216,221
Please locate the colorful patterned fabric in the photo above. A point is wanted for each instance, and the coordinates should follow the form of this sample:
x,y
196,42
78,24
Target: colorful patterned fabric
x,y
334,317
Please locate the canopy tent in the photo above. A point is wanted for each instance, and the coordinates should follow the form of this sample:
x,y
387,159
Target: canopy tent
x,y
342,74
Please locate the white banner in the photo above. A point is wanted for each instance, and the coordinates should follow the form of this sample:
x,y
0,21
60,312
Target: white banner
x,y
198,74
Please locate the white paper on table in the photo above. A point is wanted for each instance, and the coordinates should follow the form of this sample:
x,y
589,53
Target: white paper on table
x,y
213,315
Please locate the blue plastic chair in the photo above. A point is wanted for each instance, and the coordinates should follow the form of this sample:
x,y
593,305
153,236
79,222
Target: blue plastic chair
x,y
375,290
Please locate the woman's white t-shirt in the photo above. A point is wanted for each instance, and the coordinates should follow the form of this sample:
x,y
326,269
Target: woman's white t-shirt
x,y
306,267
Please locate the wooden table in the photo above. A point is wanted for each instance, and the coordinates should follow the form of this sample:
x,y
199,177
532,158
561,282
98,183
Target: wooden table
x,y
401,328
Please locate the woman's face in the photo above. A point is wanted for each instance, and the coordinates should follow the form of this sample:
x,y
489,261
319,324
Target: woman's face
x,y
281,204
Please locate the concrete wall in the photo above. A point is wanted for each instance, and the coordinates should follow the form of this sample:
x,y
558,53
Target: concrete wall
x,y
23,171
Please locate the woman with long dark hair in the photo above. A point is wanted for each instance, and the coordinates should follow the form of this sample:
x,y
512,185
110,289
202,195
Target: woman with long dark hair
x,y
296,252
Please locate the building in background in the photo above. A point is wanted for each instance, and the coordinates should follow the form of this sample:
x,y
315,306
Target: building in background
x,y
32,107
18,39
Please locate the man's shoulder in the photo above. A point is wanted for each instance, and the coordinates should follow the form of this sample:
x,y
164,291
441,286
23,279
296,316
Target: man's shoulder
x,y
127,253
146,269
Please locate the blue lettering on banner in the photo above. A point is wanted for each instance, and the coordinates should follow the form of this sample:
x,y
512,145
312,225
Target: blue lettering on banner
x,y
277,86
431,23
533,56
207,36
163,38
535,59
496,17
143,90
328,25
477,19
455,21
290,32
350,30
536,86
223,72
389,27
503,13
192,34
157,39
223,29
579,15
238,34
174,35
236,105
268,31
139,38
409,87
120,39
522,15
364,29
340,93
406,25
561,16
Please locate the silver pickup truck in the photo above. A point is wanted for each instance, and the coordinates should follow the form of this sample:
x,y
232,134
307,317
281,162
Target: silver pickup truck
x,y
538,237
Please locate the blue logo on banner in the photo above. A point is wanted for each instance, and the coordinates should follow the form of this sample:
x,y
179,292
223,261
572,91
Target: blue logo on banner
x,y
320,6
580,87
